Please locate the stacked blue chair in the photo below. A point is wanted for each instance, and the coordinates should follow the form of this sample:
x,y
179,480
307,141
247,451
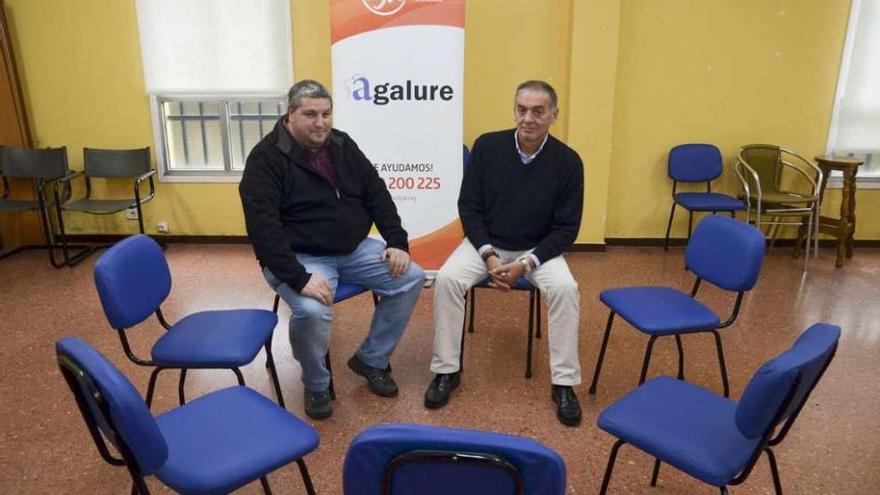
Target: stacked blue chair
x,y
697,163
428,460
723,251
715,439
133,280
215,444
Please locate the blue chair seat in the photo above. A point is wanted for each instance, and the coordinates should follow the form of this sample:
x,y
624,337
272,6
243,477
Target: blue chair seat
x,y
215,339
683,425
660,310
706,201
346,290
522,283
207,455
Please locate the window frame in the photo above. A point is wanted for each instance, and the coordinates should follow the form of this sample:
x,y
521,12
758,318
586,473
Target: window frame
x,y
835,181
159,121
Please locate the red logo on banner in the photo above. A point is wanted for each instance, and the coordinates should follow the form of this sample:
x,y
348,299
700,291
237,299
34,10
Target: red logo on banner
x,y
384,7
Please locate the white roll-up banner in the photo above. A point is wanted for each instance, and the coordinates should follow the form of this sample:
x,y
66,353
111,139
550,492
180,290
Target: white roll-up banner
x,y
398,70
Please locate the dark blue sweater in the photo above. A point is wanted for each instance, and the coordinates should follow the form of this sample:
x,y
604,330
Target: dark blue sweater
x,y
514,206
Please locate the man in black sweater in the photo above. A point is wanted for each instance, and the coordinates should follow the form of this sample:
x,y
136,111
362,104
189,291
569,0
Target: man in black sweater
x,y
310,197
521,202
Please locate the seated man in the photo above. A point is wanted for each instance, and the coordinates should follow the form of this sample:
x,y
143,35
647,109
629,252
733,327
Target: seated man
x,y
520,204
310,197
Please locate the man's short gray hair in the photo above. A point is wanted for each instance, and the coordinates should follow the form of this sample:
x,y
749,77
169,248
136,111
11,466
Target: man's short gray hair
x,y
307,88
541,86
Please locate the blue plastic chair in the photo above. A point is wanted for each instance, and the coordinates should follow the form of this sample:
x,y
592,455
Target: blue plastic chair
x,y
522,284
344,290
697,163
215,444
133,279
723,251
428,460
714,439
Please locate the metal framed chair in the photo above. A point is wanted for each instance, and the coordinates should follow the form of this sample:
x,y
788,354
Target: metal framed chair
x,y
429,460
108,164
344,291
215,444
714,439
789,199
725,252
697,163
133,280
42,166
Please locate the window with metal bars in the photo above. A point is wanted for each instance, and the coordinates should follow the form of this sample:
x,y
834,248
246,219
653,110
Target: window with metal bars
x,y
208,139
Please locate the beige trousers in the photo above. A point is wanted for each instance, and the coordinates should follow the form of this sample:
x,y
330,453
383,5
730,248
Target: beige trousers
x,y
465,268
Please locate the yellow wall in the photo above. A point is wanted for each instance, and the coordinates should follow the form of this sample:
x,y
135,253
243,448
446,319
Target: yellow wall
x,y
634,78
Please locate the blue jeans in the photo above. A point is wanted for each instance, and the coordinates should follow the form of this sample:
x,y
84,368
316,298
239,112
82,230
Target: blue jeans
x,y
310,320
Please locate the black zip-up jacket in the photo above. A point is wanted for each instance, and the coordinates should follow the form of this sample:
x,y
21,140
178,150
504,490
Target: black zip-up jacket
x,y
290,208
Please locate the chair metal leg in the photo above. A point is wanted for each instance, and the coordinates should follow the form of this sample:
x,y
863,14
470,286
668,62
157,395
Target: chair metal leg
x,y
473,305
774,470
723,490
592,390
680,357
647,360
538,314
669,227
656,472
610,466
180,386
530,334
721,363
307,480
238,376
69,260
266,489
690,224
273,373
151,387
329,366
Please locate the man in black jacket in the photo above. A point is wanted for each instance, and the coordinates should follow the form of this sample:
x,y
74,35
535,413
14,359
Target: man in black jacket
x,y
310,197
520,204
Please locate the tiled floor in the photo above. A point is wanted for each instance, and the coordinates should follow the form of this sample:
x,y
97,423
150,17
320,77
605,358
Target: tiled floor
x,y
834,447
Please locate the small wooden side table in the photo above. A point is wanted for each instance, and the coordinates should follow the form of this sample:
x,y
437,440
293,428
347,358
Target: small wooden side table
x,y
843,227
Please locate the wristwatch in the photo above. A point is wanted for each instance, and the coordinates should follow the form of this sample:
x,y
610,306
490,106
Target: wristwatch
x,y
527,265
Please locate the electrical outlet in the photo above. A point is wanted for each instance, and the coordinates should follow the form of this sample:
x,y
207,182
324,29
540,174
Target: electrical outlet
x,y
162,227
131,213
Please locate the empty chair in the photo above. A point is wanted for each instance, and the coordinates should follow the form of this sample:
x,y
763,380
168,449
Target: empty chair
x,y
697,163
133,165
781,185
215,444
133,280
42,166
429,460
714,439
722,251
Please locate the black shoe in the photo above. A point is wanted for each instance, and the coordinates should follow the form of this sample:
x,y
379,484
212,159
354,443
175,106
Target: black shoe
x,y
318,404
438,392
568,411
379,381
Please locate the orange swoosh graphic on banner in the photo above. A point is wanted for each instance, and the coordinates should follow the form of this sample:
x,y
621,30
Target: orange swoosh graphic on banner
x,y
351,17
430,251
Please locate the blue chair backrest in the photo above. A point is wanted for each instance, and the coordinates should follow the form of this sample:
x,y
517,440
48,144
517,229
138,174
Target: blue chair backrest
x,y
726,252
132,279
801,366
542,469
694,163
128,418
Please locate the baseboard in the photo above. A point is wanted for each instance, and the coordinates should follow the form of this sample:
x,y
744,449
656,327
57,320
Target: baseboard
x,y
576,248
